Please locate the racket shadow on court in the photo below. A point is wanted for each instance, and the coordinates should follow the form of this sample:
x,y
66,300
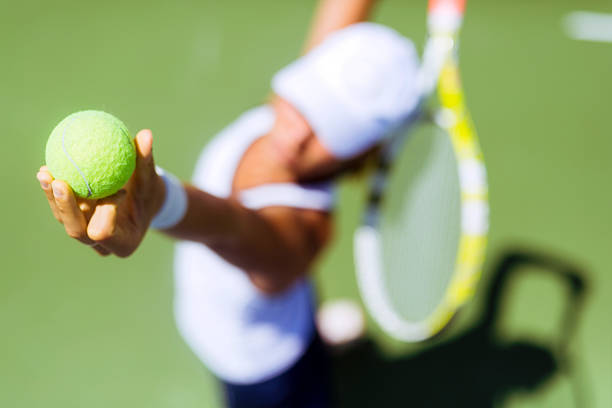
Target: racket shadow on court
x,y
476,368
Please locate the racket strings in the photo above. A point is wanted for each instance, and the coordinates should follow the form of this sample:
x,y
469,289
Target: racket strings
x,y
421,224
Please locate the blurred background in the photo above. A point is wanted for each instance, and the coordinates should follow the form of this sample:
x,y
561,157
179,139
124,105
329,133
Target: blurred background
x,y
80,330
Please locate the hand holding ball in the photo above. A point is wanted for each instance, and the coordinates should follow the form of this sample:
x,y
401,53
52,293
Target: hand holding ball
x,y
93,152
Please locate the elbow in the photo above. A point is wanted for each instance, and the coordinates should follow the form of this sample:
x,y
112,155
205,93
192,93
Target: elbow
x,y
283,273
273,283
270,288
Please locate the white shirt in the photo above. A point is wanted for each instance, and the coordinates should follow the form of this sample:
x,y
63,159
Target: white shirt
x,y
242,335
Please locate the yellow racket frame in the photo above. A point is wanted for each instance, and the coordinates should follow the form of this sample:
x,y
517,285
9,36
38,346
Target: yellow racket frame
x,y
452,116
474,197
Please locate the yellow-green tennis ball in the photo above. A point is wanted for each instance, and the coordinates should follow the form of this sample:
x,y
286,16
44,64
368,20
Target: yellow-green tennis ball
x,y
93,152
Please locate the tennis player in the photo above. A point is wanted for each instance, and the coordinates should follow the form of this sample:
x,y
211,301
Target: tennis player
x,y
259,210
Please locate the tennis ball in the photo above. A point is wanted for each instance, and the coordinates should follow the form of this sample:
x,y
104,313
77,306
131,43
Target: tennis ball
x,y
93,152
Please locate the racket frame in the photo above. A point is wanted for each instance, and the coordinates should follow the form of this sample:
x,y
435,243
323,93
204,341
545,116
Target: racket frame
x,y
439,71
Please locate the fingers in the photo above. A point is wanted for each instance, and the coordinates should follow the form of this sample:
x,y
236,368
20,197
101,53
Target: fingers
x,y
45,179
96,223
144,154
87,207
103,222
146,186
75,214
101,250
144,143
106,230
69,212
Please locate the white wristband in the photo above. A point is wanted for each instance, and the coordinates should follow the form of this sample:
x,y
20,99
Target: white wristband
x,y
174,207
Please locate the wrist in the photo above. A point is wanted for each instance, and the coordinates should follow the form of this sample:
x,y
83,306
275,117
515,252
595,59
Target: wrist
x,y
172,201
159,195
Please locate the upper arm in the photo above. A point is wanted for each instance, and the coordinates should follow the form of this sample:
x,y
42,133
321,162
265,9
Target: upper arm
x,y
332,15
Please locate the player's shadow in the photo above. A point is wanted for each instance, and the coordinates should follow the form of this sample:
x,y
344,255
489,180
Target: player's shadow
x,y
473,369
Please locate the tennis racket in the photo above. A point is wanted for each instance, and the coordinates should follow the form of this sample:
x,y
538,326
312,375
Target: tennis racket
x,y
421,244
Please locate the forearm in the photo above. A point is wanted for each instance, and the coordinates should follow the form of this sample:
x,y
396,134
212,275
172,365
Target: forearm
x,y
273,250
208,219
332,15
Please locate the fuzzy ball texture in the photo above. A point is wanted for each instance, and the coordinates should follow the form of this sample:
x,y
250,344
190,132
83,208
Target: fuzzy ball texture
x,y
93,152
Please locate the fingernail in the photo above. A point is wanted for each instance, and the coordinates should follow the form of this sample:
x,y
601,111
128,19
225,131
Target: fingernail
x,y
43,182
57,192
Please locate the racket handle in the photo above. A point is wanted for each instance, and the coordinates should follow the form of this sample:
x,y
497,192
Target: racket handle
x,y
445,16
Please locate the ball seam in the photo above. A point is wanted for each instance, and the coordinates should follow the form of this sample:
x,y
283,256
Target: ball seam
x,y
89,192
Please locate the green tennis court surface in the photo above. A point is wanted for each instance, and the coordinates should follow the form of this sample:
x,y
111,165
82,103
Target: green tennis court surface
x,y
79,330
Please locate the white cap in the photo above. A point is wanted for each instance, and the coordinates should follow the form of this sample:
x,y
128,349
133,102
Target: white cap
x,y
354,88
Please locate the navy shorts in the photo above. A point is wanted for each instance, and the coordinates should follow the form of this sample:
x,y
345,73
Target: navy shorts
x,y
307,384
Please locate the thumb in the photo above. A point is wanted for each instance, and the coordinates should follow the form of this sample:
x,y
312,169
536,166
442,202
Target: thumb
x,y
144,153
